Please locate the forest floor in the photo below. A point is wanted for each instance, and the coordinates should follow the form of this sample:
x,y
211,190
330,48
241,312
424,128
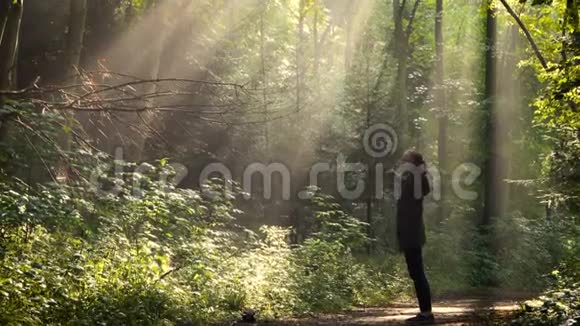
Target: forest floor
x,y
475,310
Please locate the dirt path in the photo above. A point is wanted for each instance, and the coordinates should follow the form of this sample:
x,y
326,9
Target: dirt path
x,y
447,312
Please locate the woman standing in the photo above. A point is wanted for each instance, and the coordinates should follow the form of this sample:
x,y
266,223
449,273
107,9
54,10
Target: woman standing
x,y
412,187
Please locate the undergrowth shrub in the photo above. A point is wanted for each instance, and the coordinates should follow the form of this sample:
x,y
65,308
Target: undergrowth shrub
x,y
514,252
160,255
558,306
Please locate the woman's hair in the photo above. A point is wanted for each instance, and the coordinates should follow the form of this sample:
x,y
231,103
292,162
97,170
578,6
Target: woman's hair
x,y
412,156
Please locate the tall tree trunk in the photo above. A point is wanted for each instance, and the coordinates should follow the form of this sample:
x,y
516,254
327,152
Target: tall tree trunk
x,y
9,45
440,102
402,35
8,51
509,91
75,36
489,208
348,41
490,162
160,58
401,86
74,49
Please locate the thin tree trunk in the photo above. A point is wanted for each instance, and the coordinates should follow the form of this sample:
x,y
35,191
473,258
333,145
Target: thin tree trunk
x,y
264,84
440,102
316,48
573,22
299,53
4,9
129,13
370,161
401,56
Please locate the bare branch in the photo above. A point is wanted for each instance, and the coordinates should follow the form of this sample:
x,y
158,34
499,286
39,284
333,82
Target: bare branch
x,y
42,160
409,29
527,33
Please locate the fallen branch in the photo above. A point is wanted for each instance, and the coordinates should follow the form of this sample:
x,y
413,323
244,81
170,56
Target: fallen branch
x,y
164,275
159,80
32,86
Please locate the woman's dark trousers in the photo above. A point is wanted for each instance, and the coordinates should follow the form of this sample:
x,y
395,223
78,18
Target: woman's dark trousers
x,y
414,259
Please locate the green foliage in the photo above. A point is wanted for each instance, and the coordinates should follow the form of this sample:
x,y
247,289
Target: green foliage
x,y
558,306
334,225
324,276
258,275
70,255
329,276
156,254
557,107
522,250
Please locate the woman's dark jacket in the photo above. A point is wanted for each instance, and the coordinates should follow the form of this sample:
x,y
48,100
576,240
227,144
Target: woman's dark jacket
x,y
410,226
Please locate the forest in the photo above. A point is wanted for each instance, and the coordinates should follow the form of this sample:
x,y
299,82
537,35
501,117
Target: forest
x,y
209,162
